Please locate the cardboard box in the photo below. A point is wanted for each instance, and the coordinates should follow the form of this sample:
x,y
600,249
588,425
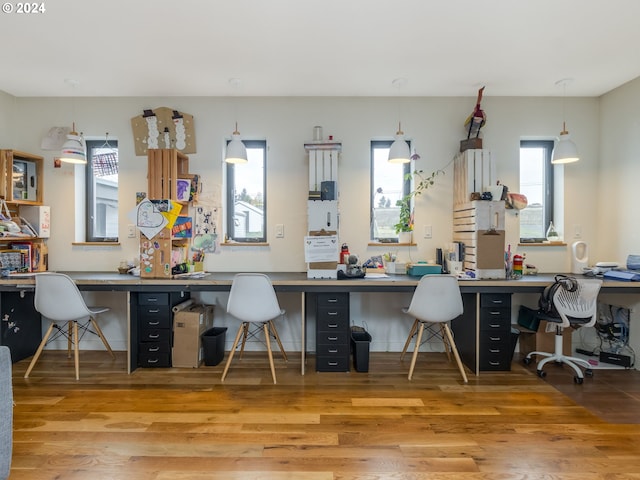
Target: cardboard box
x,y
188,325
543,341
39,217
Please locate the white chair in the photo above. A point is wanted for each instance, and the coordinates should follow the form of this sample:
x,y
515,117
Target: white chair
x,y
59,301
436,300
578,308
252,300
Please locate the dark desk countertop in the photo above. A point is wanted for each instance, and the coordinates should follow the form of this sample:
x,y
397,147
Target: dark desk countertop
x,y
298,282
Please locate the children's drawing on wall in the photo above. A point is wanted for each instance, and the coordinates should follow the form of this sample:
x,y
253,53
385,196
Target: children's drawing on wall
x,y
206,237
163,127
183,189
206,221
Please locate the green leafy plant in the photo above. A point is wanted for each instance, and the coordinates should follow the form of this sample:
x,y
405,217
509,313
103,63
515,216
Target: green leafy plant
x,y
405,220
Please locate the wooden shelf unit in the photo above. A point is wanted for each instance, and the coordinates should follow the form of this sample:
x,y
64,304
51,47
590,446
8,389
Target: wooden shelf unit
x,y
13,190
165,166
8,159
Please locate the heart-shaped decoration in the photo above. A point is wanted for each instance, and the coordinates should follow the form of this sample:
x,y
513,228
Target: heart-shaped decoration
x,y
149,216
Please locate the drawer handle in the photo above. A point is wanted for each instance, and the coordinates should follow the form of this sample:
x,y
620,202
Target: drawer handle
x,y
494,350
332,300
155,360
333,339
495,339
153,349
497,302
333,314
494,325
332,350
493,312
155,310
332,325
333,364
154,335
494,364
153,323
152,299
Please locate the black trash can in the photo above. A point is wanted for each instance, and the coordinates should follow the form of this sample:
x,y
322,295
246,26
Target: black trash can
x,y
213,345
515,333
360,346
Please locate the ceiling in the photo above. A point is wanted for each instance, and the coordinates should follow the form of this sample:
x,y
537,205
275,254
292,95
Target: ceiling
x,y
319,48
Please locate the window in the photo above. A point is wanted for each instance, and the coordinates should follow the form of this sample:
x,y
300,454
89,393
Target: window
x,y
388,185
102,191
536,183
246,195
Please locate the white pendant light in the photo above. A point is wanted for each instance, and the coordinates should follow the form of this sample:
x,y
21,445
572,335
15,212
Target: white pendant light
x,y
399,151
564,150
236,151
74,149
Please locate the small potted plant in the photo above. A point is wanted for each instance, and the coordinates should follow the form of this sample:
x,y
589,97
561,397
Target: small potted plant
x,y
404,227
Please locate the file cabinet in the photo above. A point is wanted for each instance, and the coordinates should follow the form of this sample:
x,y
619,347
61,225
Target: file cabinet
x,y
332,332
495,331
155,327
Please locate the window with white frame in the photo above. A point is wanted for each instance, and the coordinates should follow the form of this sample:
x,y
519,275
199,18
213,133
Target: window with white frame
x,y
536,183
101,176
247,195
388,185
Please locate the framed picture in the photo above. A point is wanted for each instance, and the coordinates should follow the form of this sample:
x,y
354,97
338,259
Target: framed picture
x,y
183,189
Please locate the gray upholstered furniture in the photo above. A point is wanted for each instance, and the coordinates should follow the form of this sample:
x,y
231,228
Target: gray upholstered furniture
x,y
6,412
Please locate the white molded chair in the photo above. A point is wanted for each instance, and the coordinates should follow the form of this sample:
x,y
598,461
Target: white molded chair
x,y
59,301
436,300
577,309
252,300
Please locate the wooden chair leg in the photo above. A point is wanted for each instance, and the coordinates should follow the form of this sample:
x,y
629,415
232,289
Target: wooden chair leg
x,y
69,338
266,334
76,356
415,350
455,352
445,340
233,350
272,326
102,337
34,360
412,332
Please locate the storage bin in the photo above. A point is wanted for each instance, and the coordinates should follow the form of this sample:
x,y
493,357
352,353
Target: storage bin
x,y
213,345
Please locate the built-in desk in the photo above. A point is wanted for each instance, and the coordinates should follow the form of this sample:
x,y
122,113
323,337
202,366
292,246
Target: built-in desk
x,y
469,323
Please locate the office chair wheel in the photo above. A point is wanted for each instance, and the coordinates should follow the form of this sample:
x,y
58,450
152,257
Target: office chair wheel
x,y
542,373
578,380
526,360
588,372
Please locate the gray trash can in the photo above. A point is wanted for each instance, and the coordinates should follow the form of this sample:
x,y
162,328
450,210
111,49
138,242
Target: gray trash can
x,y
213,345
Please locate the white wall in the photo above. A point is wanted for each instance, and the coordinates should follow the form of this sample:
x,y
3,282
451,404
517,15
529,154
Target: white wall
x,y
618,179
433,124
435,128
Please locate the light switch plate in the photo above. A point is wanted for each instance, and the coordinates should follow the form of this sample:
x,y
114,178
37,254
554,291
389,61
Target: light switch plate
x,y
279,230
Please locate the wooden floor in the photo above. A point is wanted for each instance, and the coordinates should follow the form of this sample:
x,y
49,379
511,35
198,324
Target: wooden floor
x,y
174,424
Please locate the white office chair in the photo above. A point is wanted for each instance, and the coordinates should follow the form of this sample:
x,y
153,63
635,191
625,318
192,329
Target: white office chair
x,y
436,300
252,300
59,301
578,308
